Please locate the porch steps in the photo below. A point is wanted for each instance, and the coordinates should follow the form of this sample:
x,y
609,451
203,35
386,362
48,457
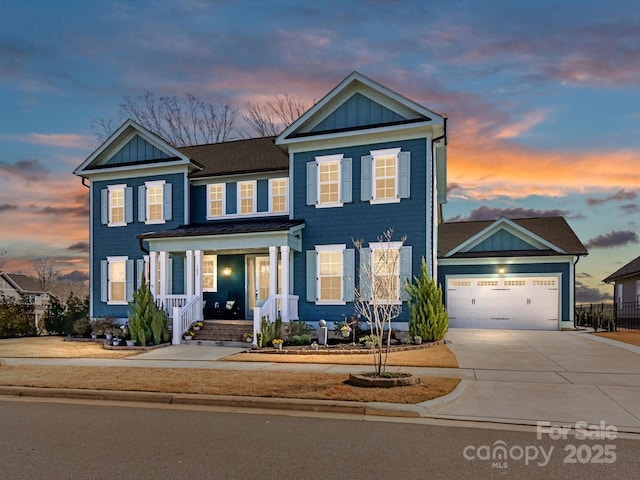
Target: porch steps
x,y
224,331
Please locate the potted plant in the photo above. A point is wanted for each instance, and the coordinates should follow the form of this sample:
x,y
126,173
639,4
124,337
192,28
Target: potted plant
x,y
417,339
197,326
248,337
345,330
314,346
189,335
277,343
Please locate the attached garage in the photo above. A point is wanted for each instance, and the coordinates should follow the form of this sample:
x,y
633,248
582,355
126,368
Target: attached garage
x,y
518,302
509,274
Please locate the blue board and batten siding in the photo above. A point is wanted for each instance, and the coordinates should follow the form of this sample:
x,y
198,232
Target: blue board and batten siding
x,y
564,269
137,150
121,241
357,111
359,219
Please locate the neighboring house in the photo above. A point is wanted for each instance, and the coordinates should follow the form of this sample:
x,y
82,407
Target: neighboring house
x,y
626,292
23,287
515,274
268,224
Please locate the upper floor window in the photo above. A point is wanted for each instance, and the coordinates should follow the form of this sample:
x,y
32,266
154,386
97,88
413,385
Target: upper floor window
x,y
116,205
385,176
278,195
154,202
247,197
329,181
216,196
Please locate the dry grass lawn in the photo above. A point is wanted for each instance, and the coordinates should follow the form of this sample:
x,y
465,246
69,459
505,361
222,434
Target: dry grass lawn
x,y
627,337
55,347
437,356
221,382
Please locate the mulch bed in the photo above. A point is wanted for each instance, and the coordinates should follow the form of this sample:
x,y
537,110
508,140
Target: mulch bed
x,y
341,349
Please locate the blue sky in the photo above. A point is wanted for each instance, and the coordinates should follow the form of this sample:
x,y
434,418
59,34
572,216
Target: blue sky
x,y
543,99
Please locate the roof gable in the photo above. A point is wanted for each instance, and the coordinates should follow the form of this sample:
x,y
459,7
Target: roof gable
x,y
22,283
629,270
546,235
358,103
132,146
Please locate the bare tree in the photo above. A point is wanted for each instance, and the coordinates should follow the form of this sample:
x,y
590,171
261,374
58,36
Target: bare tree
x,y
271,117
183,122
2,254
46,273
377,297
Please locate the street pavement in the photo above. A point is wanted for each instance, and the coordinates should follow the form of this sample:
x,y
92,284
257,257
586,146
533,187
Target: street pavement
x,y
508,376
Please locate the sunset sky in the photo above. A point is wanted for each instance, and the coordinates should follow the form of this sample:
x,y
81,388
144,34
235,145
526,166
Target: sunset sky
x,y
543,100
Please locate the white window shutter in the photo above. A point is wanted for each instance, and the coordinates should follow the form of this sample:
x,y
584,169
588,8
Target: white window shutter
x,y
348,274
128,205
104,206
104,281
365,178
312,183
346,180
404,174
142,203
167,202
312,280
405,271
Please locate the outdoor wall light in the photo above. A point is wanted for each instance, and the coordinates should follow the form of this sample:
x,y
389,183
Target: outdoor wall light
x,y
226,271
501,269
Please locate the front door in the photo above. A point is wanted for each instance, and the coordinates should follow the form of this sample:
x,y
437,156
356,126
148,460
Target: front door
x,y
258,281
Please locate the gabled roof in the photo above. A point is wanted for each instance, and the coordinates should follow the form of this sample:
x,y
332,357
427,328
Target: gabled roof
x,y
391,110
168,154
536,236
630,269
22,283
239,156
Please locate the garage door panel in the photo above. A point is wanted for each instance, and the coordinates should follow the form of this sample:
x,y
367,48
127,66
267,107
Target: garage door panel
x,y
506,302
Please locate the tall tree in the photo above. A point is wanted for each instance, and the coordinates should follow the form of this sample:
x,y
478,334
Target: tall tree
x,y
2,254
183,122
46,273
269,118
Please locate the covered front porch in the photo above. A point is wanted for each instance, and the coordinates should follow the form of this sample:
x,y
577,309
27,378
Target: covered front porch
x,y
226,270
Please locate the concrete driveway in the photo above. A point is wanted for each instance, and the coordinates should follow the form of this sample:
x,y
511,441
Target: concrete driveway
x,y
525,376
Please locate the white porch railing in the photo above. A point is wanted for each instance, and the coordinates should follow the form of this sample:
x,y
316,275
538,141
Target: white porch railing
x,y
269,309
171,301
184,316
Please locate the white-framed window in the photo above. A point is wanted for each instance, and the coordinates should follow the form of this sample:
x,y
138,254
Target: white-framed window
x,y
154,202
117,280
330,272
216,193
247,197
210,273
620,297
116,205
329,181
279,195
385,176
384,269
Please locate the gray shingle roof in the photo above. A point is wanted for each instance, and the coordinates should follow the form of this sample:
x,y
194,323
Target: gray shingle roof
x,y
553,229
24,283
239,156
251,225
630,269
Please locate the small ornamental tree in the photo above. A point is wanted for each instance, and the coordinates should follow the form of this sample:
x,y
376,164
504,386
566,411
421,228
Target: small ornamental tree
x,y
428,318
377,297
146,321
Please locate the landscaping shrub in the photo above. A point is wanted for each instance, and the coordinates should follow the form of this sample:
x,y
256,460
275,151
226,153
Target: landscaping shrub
x,y
147,322
17,318
427,315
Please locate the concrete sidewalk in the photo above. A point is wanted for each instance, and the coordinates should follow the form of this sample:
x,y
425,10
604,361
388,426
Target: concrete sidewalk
x,y
517,377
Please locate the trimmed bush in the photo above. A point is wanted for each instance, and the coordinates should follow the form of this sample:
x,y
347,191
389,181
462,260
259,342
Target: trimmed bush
x,y
428,318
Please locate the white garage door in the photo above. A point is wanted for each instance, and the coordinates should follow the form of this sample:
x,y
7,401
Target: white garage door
x,y
505,302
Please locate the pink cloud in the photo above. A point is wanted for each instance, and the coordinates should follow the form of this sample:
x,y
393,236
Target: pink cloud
x,y
69,140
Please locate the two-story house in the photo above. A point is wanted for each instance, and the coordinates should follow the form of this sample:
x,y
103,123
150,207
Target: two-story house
x,y
268,224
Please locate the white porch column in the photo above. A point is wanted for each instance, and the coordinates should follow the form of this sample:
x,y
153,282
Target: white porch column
x,y
284,288
153,273
273,278
190,274
197,277
163,257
